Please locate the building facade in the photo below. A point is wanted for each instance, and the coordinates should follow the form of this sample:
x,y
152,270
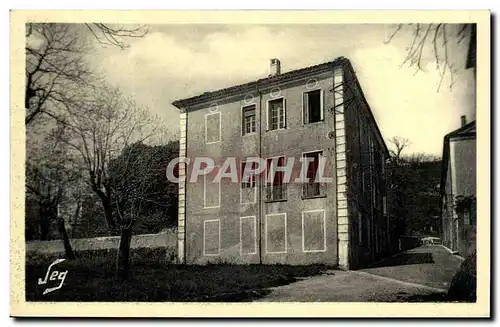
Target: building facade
x,y
458,189
318,114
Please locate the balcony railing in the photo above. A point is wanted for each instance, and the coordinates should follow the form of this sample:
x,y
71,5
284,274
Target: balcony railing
x,y
311,190
276,192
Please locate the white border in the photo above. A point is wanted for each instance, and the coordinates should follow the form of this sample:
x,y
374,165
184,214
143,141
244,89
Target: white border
x,y
241,187
284,114
220,125
205,194
242,122
204,230
286,233
324,230
322,105
254,235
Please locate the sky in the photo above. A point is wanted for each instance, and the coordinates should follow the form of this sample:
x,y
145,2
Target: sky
x,y
181,60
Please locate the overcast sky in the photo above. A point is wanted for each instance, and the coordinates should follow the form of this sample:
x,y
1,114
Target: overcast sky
x,y
178,61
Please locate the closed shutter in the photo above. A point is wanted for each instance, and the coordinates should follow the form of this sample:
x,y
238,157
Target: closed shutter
x,y
305,107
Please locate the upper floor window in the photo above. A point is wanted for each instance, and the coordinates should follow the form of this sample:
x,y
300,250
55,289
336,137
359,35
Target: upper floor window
x,y
248,123
276,114
275,186
212,127
313,106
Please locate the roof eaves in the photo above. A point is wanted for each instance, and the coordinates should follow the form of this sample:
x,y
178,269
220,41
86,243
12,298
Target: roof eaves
x,y
263,82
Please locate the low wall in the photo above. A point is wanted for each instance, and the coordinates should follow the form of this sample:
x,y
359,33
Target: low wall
x,y
163,239
408,242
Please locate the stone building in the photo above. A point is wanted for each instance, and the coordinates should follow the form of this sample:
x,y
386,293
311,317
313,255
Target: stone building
x,y
458,189
319,113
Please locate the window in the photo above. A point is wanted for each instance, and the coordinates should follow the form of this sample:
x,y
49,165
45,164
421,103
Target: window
x,y
313,231
248,235
313,106
212,127
275,231
211,237
248,119
311,188
275,187
249,180
276,114
211,193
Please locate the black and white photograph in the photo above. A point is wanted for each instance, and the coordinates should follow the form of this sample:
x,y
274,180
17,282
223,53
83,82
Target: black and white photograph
x,y
228,159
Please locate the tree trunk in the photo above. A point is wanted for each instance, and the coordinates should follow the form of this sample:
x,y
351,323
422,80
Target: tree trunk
x,y
108,209
47,215
108,213
123,258
75,221
67,245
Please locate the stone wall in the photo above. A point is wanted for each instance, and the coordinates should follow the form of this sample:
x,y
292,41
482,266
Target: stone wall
x,y
166,239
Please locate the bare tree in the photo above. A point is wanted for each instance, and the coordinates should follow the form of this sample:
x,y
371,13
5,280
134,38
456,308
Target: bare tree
x,y
98,130
398,146
48,178
113,35
132,181
441,38
56,68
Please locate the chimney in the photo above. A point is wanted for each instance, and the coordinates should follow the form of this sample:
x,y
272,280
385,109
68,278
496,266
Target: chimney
x,y
275,67
463,120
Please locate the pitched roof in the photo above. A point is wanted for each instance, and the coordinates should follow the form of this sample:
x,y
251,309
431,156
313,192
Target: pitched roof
x,y
263,82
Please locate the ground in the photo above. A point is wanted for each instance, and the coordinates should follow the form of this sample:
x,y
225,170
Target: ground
x,y
421,274
418,275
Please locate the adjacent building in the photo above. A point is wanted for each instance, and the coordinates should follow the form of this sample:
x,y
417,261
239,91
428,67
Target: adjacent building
x,y
314,112
458,189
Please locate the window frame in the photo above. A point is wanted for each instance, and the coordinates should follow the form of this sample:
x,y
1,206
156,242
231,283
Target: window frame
x,y
322,106
205,194
324,231
254,187
271,185
268,127
266,232
220,127
204,238
321,190
254,218
243,122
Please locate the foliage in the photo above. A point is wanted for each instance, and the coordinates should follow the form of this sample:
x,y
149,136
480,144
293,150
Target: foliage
x,y
156,199
51,183
98,130
413,194
138,181
466,206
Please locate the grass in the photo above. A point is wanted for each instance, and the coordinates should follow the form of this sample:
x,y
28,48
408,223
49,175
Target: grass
x,y
154,279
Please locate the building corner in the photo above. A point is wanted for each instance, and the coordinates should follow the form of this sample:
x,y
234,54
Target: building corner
x,y
181,223
341,171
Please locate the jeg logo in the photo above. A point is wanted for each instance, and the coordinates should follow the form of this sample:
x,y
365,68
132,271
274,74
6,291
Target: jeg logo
x,y
55,275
